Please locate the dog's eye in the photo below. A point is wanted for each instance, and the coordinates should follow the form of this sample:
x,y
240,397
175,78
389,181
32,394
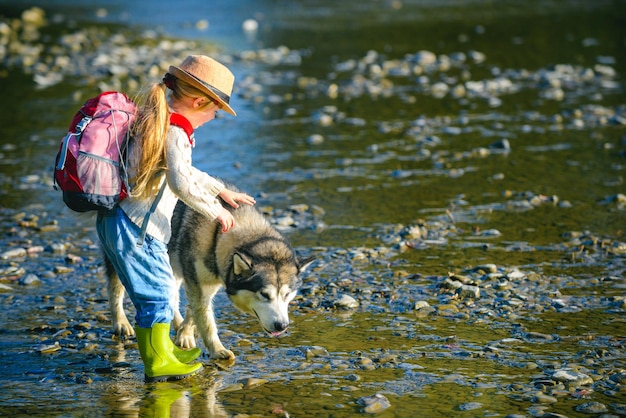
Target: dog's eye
x,y
265,295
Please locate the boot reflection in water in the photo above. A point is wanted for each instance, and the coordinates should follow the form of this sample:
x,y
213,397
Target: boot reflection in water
x,y
163,402
160,362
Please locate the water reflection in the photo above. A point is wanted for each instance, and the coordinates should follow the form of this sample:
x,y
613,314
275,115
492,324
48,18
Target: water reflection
x,y
196,397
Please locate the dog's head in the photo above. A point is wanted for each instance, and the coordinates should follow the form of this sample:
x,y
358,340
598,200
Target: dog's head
x,y
263,286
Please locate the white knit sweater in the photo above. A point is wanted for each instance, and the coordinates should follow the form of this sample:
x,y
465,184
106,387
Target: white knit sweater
x,y
185,182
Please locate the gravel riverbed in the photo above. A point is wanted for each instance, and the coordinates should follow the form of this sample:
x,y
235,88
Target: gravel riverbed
x,y
468,235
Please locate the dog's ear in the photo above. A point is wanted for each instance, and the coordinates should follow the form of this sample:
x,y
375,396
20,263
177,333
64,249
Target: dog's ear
x,y
241,264
303,263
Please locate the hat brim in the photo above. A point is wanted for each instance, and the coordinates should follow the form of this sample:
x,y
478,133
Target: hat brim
x,y
209,90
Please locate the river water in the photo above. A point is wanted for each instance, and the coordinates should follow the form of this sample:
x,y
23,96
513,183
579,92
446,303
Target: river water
x,y
457,168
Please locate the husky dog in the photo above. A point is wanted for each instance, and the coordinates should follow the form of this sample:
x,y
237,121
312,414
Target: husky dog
x,y
252,261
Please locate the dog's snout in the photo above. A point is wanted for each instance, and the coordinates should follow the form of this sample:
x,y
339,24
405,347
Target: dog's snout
x,y
280,326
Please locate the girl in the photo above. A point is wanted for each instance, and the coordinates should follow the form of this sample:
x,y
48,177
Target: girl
x,y
160,172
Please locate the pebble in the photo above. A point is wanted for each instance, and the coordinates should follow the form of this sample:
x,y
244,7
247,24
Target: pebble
x,y
374,404
49,348
14,253
592,408
30,280
467,291
619,409
252,382
470,406
315,139
420,305
544,399
572,378
315,351
250,25
346,302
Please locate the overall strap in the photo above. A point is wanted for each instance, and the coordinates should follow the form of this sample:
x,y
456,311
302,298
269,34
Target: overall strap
x,y
144,224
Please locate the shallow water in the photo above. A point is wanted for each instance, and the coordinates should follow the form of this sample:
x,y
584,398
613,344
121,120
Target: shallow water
x,y
390,159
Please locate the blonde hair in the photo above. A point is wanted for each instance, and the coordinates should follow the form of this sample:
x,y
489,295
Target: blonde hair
x,y
150,127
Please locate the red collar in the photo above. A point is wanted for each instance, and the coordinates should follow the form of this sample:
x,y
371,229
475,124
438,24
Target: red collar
x,y
182,122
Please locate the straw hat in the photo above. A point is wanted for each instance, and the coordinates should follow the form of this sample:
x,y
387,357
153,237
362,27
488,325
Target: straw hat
x,y
209,76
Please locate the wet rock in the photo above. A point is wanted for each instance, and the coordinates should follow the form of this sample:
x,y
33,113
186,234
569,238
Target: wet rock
x,y
450,284
83,326
48,228
12,272
572,378
374,404
468,291
30,280
470,406
502,145
544,399
48,348
619,377
34,16
250,25
421,305
316,139
485,268
314,351
353,377
489,233
346,302
539,336
283,221
57,247
233,387
73,259
252,382
14,253
619,409
592,408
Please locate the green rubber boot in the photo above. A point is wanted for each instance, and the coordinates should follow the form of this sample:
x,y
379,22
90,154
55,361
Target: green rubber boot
x,y
160,363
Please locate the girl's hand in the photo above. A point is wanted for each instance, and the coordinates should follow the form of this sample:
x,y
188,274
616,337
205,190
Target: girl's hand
x,y
226,219
234,198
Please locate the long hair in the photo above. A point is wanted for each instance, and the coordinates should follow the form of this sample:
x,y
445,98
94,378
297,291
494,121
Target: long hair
x,y
151,128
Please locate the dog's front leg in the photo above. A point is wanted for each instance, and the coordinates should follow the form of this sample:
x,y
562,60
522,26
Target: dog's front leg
x,y
201,304
186,331
121,326
178,318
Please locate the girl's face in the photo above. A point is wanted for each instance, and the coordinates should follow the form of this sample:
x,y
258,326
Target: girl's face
x,y
198,111
203,112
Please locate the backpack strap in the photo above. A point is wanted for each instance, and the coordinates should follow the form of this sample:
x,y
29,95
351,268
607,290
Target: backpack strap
x,y
78,131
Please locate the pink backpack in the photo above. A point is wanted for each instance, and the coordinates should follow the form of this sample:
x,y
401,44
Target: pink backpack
x,y
89,166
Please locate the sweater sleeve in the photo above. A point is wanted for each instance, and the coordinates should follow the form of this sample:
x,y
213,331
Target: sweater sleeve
x,y
194,187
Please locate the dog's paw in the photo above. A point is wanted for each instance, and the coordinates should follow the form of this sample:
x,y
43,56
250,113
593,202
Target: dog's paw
x,y
123,329
223,354
185,340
